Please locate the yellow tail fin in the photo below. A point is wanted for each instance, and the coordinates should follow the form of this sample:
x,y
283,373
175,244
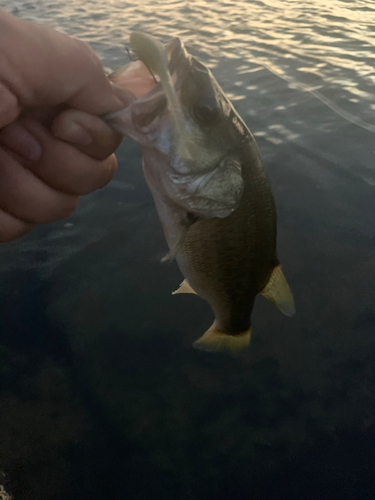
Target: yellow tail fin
x,y
216,341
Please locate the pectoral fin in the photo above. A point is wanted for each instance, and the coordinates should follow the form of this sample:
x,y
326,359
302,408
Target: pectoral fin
x,y
278,292
215,341
184,288
178,243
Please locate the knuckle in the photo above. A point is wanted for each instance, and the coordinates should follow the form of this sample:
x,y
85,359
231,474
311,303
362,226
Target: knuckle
x,y
88,56
9,106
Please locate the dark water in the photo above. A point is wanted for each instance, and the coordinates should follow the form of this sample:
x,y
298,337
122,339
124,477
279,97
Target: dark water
x,y
102,395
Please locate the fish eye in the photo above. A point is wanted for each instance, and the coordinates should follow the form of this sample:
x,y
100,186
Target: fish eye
x,y
206,111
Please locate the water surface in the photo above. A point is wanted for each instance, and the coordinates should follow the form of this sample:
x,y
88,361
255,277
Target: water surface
x,y
102,394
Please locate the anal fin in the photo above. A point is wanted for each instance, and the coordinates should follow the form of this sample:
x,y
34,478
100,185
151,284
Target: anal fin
x,y
278,292
184,288
216,341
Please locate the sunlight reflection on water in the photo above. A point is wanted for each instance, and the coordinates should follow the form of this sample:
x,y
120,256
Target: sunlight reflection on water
x,y
326,46
337,32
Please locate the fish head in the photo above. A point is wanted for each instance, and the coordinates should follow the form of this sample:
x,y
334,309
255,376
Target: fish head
x,y
193,150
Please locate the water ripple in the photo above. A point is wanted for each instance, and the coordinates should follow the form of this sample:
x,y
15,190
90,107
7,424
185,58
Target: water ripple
x,y
324,49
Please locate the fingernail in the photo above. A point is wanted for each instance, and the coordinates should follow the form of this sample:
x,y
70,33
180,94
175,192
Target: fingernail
x,y
74,133
19,140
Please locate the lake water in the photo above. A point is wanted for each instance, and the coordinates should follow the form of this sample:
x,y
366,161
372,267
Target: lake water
x,y
102,395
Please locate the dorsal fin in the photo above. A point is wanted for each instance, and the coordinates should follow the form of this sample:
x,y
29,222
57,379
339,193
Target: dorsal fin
x,y
278,292
184,288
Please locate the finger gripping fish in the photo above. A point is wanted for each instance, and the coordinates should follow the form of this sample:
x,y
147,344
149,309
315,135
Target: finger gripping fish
x,y
210,189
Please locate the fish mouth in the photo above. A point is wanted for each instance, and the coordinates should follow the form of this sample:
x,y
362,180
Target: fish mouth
x,y
146,99
137,79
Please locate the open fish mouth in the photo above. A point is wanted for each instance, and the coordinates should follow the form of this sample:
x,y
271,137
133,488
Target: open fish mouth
x,y
146,96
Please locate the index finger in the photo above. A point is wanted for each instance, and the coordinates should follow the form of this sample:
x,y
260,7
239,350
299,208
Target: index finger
x,y
41,66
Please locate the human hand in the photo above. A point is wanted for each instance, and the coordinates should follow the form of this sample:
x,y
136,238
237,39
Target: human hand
x,y
53,145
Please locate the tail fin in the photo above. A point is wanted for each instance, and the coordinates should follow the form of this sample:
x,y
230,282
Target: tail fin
x,y
215,341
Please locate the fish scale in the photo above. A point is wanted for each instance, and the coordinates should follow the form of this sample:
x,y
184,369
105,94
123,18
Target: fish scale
x,y
228,261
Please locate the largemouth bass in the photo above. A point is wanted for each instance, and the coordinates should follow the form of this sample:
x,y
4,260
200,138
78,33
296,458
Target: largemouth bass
x,y
210,188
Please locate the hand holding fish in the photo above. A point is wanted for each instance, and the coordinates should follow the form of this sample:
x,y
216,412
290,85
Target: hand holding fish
x,y
53,145
200,161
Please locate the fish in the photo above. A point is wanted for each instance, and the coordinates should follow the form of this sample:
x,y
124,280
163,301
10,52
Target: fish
x,y
210,188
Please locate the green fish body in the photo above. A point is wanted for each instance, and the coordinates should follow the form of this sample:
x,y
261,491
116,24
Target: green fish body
x,y
211,191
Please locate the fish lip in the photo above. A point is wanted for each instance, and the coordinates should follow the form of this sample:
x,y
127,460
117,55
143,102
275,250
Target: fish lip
x,y
177,55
